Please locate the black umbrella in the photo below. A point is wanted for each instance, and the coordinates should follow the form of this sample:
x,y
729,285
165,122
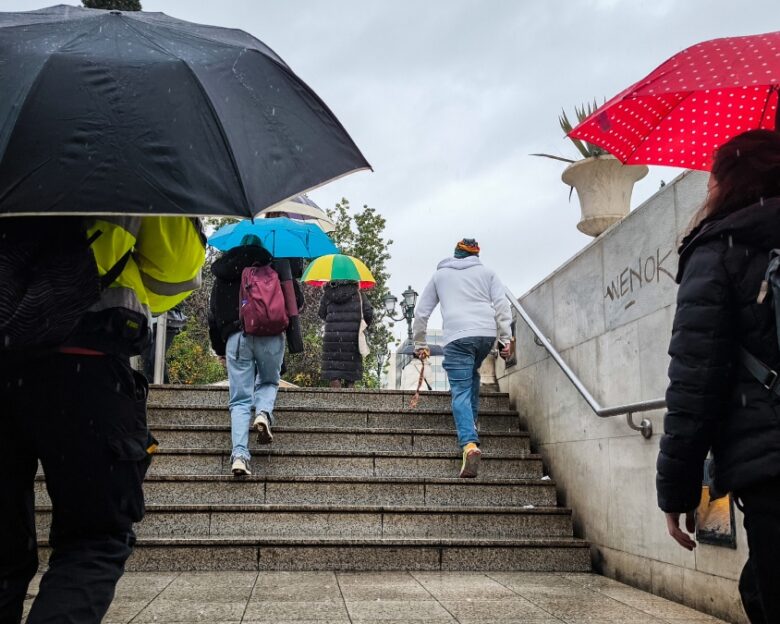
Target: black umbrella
x,y
141,113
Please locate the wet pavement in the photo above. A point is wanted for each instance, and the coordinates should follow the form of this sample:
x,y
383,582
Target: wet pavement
x,y
386,597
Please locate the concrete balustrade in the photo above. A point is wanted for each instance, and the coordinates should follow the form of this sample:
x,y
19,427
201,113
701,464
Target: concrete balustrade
x,y
609,311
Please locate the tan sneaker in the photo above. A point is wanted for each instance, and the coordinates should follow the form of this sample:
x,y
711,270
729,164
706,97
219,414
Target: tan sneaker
x,y
263,426
240,467
471,457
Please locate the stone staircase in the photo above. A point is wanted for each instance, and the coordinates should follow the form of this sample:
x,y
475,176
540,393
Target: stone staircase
x,y
354,480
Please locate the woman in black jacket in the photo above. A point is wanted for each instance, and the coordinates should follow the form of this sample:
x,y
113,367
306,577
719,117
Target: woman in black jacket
x,y
341,310
714,402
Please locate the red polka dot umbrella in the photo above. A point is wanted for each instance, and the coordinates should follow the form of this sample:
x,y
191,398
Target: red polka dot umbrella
x,y
691,104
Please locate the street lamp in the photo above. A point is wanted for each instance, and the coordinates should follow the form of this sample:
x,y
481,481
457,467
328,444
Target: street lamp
x,y
407,307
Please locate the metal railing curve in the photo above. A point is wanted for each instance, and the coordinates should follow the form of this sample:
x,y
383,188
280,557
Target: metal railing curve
x,y
645,427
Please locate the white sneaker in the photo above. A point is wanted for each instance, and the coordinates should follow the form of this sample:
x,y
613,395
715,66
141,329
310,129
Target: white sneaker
x,y
263,426
240,467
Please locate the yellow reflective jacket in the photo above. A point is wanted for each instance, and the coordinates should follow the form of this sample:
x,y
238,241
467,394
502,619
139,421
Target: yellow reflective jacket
x,y
164,266
167,254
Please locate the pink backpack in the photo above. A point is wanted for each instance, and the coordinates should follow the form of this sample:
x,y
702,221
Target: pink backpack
x,y
262,310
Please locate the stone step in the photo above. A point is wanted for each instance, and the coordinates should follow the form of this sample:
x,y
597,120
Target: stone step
x,y
489,420
356,521
335,439
217,396
343,463
306,553
192,489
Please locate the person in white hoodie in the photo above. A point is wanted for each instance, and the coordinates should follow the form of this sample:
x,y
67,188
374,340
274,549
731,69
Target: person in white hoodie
x,y
475,311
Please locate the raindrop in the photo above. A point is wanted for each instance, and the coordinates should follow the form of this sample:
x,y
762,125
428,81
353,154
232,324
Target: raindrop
x,y
731,241
761,200
744,400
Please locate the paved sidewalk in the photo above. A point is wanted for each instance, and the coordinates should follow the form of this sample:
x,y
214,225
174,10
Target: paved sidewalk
x,y
386,597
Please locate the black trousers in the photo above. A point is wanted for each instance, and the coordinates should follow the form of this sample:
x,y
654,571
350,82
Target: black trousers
x,y
84,419
759,584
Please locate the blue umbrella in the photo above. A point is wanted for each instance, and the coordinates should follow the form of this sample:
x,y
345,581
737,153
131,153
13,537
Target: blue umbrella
x,y
283,237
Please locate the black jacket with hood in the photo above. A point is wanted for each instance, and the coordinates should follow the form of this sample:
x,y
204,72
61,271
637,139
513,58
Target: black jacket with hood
x,y
223,304
713,401
340,309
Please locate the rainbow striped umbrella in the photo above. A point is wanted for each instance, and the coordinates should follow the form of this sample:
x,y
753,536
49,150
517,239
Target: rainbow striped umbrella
x,y
338,267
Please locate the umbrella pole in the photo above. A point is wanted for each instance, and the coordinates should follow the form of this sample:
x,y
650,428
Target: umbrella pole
x,y
159,348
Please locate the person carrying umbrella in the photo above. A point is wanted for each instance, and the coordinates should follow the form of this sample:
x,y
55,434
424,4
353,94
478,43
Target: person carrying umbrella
x,y
724,337
474,309
346,313
253,359
75,300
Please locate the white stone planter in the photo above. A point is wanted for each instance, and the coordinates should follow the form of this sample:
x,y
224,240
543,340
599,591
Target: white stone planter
x,y
604,187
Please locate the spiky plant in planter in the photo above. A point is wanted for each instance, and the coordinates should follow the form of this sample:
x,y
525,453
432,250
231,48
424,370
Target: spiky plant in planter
x,y
603,184
588,150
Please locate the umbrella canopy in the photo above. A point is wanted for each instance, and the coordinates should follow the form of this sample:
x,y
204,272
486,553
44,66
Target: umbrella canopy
x,y
282,237
301,208
140,113
338,267
691,104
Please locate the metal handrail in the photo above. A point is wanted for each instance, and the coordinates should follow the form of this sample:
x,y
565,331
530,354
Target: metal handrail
x,y
645,427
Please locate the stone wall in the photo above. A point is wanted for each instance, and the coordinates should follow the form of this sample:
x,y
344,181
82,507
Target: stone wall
x,y
609,311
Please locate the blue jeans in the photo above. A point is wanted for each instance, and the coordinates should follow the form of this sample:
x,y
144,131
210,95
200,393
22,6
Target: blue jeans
x,y
254,364
462,359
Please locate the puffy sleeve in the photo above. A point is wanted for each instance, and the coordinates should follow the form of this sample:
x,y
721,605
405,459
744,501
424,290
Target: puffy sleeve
x,y
702,350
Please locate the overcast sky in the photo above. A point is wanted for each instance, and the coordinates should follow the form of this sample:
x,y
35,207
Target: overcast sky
x,y
447,99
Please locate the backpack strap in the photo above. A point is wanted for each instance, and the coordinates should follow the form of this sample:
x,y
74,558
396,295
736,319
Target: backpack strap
x,y
115,271
763,374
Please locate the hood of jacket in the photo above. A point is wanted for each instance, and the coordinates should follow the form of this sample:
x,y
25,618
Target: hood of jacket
x,y
459,263
235,260
341,293
756,225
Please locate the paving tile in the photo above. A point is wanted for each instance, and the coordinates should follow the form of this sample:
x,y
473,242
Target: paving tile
x,y
531,579
597,609
479,611
373,578
139,586
181,610
257,611
296,587
399,610
462,587
122,611
387,592
225,578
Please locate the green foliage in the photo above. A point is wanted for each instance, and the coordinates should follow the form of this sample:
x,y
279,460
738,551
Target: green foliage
x,y
362,235
113,5
588,150
303,369
190,360
359,234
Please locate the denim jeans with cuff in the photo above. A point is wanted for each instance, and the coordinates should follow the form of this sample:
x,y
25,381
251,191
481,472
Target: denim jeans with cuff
x,y
462,359
254,365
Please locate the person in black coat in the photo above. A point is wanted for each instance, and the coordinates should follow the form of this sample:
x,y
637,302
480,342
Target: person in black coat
x,y
340,308
714,402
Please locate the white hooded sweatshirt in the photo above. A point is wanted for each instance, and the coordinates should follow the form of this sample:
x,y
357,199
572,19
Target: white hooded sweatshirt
x,y
473,302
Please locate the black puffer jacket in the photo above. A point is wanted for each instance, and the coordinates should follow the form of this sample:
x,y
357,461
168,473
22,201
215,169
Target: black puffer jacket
x,y
223,304
340,309
713,401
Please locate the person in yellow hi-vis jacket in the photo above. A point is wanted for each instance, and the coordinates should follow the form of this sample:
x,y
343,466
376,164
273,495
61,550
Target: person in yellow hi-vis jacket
x,y
79,409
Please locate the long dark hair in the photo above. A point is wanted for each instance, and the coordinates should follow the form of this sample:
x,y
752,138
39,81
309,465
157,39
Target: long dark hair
x,y
746,170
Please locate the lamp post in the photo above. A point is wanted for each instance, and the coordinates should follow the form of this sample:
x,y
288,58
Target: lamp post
x,y
407,308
